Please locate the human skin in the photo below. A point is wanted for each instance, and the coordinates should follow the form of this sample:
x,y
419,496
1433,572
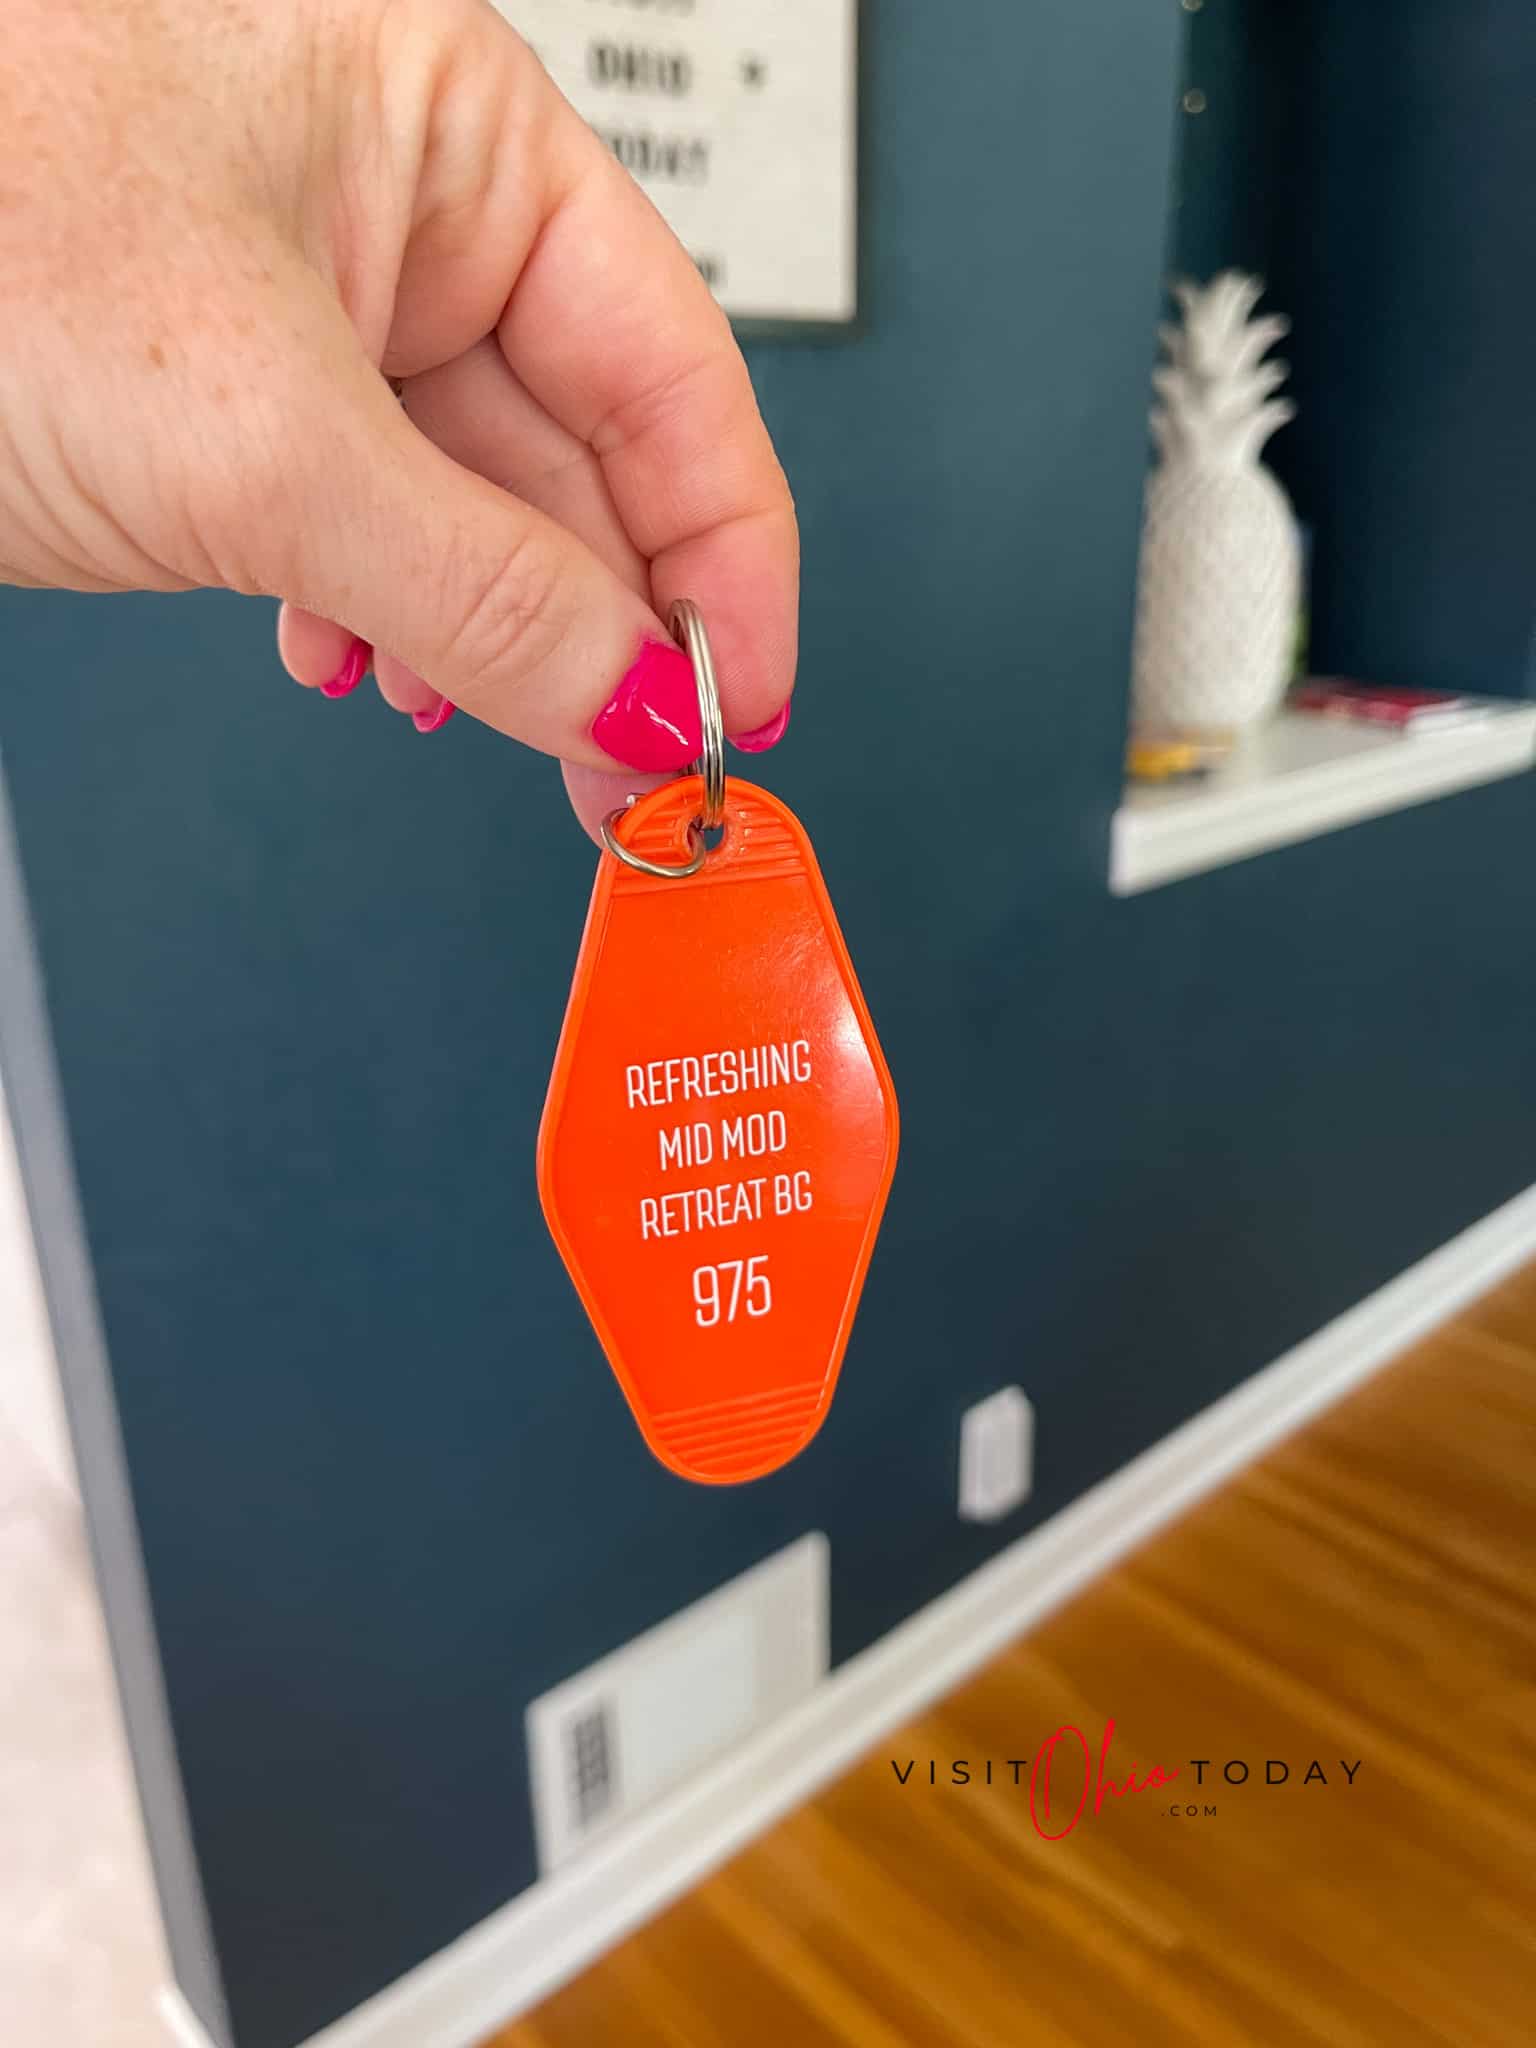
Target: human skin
x,y
338,301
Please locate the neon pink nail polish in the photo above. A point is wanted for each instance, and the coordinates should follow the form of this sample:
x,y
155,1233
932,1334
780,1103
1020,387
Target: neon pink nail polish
x,y
433,721
351,672
652,719
762,737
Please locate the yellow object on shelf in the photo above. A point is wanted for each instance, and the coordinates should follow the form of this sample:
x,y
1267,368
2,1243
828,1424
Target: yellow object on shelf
x,y
1162,760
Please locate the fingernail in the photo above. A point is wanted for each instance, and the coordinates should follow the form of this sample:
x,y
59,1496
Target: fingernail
x,y
652,719
351,672
432,721
762,737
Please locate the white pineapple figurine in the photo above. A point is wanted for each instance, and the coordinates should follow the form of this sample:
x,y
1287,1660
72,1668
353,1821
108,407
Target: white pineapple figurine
x,y
1219,590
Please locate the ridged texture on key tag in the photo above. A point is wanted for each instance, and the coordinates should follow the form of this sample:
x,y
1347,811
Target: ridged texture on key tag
x,y
719,1137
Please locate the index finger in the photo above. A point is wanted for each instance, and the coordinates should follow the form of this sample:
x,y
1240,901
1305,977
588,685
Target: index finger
x,y
614,332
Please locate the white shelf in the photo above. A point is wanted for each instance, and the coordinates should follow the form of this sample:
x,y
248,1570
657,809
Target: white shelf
x,y
1301,776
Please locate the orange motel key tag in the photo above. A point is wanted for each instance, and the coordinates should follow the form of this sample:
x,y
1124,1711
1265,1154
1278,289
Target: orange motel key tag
x,y
721,1128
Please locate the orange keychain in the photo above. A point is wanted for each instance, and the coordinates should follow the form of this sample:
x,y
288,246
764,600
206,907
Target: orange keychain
x,y
720,1131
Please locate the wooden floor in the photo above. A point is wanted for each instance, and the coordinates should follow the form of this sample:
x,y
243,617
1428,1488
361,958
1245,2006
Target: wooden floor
x,y
1366,1594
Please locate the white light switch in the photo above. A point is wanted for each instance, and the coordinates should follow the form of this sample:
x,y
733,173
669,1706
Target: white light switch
x,y
997,1452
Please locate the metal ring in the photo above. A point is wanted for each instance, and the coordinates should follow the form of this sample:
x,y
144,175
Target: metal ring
x,y
676,871
686,624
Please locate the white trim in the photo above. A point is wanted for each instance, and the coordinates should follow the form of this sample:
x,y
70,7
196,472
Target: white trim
x,y
1301,776
181,2022
78,1347
545,1936
31,1398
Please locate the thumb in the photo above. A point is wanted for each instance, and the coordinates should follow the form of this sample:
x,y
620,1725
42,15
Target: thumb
x,y
508,614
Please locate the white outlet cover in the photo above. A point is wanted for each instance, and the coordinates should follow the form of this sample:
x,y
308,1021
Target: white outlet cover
x,y
997,1455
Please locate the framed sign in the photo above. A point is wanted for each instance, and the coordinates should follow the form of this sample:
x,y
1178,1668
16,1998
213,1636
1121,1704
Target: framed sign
x,y
739,118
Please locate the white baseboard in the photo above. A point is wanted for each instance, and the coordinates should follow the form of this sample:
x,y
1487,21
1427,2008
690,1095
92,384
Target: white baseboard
x,y
550,1932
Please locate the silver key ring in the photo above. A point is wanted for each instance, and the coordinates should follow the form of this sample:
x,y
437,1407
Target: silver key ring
x,y
686,624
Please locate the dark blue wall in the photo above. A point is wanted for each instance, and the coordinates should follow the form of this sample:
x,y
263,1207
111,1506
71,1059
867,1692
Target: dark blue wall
x,y
1235,173
306,973
1378,166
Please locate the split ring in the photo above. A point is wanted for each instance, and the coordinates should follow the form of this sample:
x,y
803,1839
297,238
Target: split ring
x,y
686,623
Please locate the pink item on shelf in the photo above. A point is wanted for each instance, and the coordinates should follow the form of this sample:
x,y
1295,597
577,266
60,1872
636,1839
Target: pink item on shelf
x,y
1403,710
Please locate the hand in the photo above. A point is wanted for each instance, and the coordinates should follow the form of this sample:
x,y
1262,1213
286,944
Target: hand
x,y
222,231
